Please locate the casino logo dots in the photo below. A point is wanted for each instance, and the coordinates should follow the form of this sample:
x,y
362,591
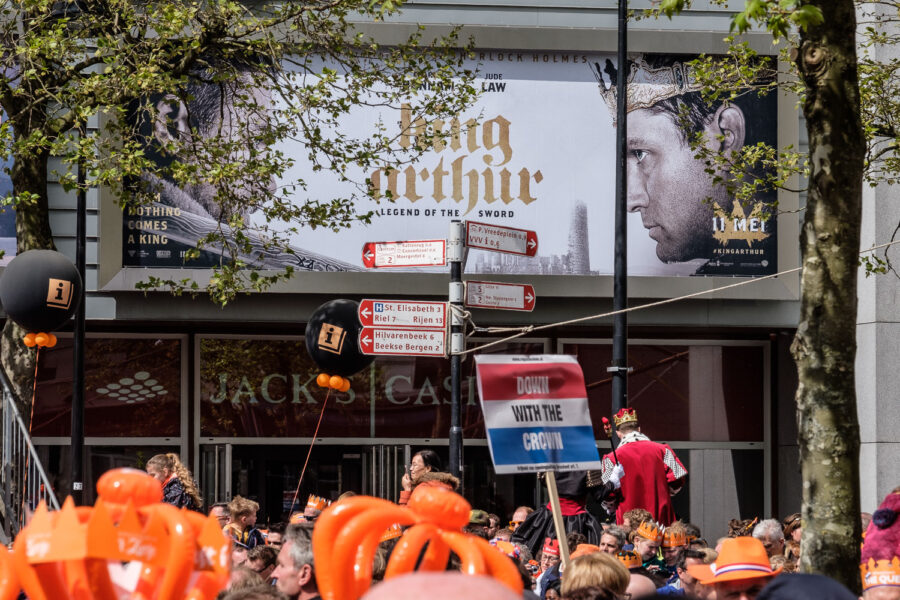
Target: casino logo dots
x,y
137,388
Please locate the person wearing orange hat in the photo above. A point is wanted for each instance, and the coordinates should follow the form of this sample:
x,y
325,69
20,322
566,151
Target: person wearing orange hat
x,y
674,543
740,572
647,538
653,474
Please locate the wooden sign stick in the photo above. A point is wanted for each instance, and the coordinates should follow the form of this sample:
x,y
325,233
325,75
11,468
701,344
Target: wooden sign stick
x,y
557,519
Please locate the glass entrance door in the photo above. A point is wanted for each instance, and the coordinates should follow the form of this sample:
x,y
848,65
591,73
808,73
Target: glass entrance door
x,y
385,464
215,473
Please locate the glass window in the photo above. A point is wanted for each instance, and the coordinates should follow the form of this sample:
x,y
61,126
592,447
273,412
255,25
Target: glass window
x,y
682,392
132,388
267,388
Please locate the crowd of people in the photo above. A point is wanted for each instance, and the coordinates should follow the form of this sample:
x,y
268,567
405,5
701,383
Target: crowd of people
x,y
641,552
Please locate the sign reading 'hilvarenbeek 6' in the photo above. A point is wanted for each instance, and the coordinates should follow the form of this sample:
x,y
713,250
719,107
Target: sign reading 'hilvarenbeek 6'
x,y
536,413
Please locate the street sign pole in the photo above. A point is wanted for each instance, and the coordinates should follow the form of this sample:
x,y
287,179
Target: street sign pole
x,y
455,253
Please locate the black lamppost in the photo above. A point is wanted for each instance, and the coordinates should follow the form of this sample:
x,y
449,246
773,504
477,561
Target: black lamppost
x,y
619,368
78,337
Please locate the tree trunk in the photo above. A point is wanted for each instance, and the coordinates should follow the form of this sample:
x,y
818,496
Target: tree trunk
x,y
29,176
825,344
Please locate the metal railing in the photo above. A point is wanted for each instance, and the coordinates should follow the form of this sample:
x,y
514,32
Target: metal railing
x,y
22,478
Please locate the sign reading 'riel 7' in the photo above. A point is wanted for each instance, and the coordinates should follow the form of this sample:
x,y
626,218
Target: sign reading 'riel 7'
x,y
536,413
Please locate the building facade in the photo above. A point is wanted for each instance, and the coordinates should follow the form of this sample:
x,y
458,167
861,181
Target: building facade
x,y
232,389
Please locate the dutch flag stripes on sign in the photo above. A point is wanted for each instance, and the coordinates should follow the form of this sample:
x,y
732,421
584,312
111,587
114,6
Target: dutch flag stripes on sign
x,y
536,413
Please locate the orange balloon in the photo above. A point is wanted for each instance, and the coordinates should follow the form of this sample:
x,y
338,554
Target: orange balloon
x,y
9,581
52,341
324,379
118,486
29,340
336,382
344,386
440,506
41,339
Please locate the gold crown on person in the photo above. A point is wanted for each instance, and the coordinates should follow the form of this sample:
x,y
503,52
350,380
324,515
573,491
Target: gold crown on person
x,y
317,502
625,415
880,573
651,530
645,86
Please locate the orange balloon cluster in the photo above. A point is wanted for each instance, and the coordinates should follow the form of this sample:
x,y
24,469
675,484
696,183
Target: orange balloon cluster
x,y
40,340
348,532
78,552
335,382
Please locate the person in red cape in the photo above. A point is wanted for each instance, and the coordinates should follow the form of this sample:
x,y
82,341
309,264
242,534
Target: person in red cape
x,y
653,472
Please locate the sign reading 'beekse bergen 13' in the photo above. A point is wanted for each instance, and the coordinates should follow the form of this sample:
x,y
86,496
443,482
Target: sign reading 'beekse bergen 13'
x,y
536,413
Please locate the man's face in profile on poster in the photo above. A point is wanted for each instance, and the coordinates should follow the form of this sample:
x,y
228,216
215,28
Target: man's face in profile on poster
x,y
669,187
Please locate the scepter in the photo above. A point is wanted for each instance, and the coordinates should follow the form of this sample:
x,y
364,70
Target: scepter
x,y
607,428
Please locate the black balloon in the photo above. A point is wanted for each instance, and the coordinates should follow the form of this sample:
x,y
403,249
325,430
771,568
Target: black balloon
x,y
332,338
40,290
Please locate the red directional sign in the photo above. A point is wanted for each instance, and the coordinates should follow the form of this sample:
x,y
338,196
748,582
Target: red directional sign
x,y
416,253
403,342
501,239
506,296
402,313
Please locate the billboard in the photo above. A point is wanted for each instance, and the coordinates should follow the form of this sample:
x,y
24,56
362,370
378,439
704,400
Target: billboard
x,y
536,152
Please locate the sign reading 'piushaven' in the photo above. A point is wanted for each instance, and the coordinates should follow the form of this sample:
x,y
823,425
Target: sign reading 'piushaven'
x,y
536,413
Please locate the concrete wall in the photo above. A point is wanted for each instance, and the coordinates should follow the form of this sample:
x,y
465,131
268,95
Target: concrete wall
x,y
878,343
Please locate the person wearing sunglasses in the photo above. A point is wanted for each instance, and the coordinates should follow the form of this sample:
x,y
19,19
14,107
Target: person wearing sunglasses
x,y
518,517
425,466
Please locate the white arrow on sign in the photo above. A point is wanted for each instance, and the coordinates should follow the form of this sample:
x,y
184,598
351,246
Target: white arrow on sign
x,y
498,295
